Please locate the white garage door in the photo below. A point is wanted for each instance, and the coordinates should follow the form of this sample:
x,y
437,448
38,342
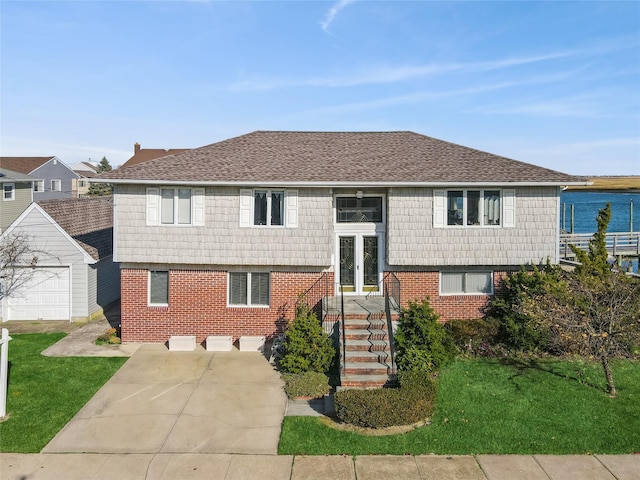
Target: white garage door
x,y
45,297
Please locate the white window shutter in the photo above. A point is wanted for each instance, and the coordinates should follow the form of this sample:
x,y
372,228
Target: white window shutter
x,y
439,208
153,206
246,204
509,208
197,200
291,200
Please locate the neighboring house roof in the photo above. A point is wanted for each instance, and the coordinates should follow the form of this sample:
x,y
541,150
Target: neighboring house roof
x,y
141,155
337,158
89,221
85,169
23,164
11,176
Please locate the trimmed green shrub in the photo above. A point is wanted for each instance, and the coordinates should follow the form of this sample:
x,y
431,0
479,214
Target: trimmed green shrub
x,y
306,346
383,407
422,344
518,330
306,384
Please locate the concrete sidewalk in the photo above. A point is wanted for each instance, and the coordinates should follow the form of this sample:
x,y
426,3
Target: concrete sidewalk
x,y
191,466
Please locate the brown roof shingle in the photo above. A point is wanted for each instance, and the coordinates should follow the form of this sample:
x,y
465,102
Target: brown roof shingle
x,y
23,164
338,158
146,154
89,221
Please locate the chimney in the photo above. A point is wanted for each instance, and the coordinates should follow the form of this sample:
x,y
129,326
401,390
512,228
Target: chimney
x,y
136,148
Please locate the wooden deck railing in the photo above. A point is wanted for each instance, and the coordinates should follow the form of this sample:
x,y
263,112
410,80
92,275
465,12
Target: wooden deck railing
x,y
620,243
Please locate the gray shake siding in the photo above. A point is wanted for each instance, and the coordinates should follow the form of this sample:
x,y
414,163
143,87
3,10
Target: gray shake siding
x,y
222,241
414,240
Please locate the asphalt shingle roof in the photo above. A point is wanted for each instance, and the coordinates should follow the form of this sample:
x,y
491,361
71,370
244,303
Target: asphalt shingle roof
x,y
89,221
23,164
337,157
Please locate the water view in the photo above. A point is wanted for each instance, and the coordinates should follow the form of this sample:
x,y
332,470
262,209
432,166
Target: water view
x,y
586,207
585,210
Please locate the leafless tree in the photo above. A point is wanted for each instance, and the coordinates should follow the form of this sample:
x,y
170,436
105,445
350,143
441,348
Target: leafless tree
x,y
18,259
596,316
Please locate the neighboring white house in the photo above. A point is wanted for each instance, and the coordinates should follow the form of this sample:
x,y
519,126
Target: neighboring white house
x,y
75,277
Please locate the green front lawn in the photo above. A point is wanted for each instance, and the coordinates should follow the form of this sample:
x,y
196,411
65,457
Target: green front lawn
x,y
500,407
44,393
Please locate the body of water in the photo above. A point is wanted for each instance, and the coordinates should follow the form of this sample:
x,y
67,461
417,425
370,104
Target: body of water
x,y
586,207
588,204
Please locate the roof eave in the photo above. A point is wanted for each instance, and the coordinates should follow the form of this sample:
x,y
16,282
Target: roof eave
x,y
351,184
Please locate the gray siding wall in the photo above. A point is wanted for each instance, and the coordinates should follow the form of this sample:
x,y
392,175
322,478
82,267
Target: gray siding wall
x,y
54,171
413,240
221,241
11,209
104,284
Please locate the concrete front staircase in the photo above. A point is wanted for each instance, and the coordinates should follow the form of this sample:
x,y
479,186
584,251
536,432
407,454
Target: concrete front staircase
x,y
367,350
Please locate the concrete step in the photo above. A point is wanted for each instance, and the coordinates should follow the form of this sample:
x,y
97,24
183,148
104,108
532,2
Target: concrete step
x,y
361,356
365,368
366,381
365,335
366,345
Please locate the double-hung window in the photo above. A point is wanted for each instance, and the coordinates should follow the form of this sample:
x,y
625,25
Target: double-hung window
x,y
249,289
56,185
158,287
466,283
474,208
175,206
38,186
265,207
8,191
268,207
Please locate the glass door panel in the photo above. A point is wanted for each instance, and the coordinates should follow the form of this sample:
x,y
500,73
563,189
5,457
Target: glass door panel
x,y
370,264
348,264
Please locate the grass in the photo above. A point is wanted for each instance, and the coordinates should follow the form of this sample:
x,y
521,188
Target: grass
x,y
498,407
611,183
44,393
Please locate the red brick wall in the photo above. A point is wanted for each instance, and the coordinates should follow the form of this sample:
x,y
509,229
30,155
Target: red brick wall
x,y
415,286
198,306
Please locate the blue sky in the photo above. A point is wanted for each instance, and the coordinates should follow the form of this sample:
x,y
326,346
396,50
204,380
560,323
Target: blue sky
x,y
556,84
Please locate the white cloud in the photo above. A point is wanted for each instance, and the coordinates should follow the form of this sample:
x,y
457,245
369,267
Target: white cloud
x,y
399,73
333,11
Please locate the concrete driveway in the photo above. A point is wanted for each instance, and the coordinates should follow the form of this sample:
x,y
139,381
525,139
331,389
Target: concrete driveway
x,y
181,402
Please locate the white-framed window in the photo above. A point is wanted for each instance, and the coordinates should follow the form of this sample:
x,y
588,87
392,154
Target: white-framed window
x,y
158,287
8,191
354,209
263,207
175,206
490,207
466,283
268,207
38,186
56,185
249,289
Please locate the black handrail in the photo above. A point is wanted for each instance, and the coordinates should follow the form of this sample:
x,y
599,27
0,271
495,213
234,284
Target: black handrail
x,y
387,309
313,297
344,332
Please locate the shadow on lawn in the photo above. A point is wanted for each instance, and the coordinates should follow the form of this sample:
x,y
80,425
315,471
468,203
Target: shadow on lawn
x,y
581,373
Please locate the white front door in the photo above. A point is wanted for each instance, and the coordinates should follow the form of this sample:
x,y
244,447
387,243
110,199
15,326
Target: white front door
x,y
45,297
359,268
